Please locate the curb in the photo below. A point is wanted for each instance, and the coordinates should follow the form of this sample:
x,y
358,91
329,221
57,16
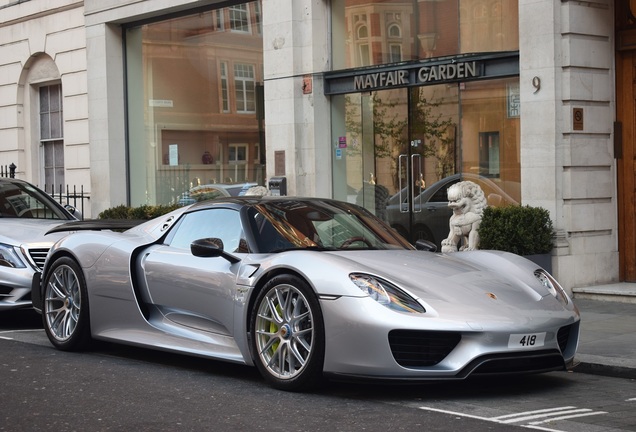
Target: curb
x,y
605,366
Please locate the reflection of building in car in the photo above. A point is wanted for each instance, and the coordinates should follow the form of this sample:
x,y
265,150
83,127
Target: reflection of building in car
x,y
376,194
211,191
431,211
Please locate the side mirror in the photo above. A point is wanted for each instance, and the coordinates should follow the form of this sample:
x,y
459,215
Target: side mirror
x,y
73,211
425,245
211,248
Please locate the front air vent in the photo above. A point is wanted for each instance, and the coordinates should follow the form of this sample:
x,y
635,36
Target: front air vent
x,y
38,255
563,336
415,348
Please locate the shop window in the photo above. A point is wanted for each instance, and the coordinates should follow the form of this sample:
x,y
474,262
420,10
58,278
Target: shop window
x,y
426,29
191,96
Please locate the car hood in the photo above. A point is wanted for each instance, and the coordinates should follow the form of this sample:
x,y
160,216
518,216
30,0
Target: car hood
x,y
479,280
15,231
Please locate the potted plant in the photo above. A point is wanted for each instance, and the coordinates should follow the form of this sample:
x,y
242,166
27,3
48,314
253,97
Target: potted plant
x,y
522,230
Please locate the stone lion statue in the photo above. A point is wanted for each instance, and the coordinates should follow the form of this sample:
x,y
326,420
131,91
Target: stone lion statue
x,y
468,201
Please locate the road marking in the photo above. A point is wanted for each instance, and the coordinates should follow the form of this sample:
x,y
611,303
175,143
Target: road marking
x,y
6,338
630,400
511,418
567,417
22,331
531,415
530,418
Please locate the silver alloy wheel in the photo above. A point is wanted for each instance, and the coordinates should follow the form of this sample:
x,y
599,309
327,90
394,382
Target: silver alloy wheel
x,y
284,331
62,302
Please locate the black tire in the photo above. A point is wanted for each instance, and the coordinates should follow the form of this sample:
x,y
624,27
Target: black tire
x,y
287,334
65,312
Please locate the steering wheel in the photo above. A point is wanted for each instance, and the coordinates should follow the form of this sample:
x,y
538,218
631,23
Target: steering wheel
x,y
354,239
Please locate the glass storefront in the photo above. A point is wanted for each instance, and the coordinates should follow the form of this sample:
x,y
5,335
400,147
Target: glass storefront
x,y
402,136
194,87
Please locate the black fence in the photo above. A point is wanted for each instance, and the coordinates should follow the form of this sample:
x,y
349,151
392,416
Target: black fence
x,y
66,196
7,170
62,194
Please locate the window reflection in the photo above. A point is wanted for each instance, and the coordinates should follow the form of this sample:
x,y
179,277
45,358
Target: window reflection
x,y
387,31
194,83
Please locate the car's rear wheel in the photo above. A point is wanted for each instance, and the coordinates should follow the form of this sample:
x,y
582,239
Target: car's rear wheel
x,y
65,308
288,337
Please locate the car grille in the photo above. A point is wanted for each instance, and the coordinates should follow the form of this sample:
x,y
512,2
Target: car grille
x,y
414,348
38,255
563,336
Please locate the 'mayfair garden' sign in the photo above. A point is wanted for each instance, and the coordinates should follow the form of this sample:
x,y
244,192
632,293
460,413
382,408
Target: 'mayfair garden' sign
x,y
420,73
426,74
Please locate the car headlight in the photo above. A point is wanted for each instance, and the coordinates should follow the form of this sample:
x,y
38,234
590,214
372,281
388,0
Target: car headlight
x,y
9,257
552,285
386,294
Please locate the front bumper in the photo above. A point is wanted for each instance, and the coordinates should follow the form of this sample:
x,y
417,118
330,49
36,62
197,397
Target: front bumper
x,y
15,287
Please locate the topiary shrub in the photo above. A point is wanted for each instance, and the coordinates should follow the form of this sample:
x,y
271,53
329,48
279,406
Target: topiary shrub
x,y
522,230
144,212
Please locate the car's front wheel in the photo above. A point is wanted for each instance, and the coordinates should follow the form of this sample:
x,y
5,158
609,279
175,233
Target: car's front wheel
x,y
65,306
287,334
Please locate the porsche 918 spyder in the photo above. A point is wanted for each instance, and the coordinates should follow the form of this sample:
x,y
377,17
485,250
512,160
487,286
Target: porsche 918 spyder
x,y
303,289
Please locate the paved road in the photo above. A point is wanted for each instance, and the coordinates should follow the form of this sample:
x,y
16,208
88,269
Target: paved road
x,y
115,388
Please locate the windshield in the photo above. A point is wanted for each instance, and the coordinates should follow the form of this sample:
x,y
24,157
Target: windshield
x,y
21,200
314,224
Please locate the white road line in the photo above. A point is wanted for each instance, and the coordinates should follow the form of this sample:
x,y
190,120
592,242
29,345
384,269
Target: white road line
x,y
454,413
630,400
551,414
547,410
569,417
22,331
484,418
6,338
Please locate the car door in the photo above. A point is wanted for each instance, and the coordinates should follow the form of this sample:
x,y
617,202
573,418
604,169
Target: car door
x,y
192,291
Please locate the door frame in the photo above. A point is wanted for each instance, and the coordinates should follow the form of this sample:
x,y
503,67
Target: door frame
x,y
624,153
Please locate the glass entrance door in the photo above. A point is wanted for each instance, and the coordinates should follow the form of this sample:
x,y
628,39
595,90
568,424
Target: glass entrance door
x,y
396,143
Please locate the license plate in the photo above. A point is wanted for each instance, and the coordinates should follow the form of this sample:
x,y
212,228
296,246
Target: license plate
x,y
528,341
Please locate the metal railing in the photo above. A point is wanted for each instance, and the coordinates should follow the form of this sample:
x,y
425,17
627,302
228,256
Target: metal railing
x,y
66,196
8,170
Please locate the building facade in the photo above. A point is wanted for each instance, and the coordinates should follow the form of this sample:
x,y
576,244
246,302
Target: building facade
x,y
359,100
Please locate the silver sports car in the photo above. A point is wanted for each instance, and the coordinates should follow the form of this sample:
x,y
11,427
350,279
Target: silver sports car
x,y
305,289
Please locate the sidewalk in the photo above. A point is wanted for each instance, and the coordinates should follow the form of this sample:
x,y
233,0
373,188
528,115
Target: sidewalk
x,y
607,344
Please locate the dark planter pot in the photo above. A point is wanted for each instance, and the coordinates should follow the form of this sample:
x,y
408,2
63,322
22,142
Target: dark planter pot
x,y
543,260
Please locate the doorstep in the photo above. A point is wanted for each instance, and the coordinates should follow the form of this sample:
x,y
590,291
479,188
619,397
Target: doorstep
x,y
624,292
